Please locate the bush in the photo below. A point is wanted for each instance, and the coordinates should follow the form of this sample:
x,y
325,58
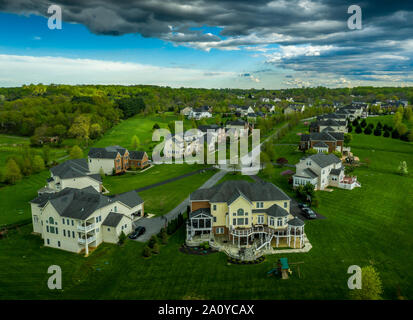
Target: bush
x,y
122,238
147,251
363,123
395,134
386,134
282,161
377,132
367,130
359,129
350,128
152,241
155,248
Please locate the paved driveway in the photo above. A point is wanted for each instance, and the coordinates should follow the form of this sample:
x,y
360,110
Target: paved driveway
x,y
154,225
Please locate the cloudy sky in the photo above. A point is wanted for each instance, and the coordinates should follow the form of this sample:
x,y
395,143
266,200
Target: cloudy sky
x,y
207,43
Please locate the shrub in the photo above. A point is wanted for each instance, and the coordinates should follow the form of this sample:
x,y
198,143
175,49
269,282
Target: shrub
x,y
122,238
147,251
363,123
152,241
367,130
395,134
377,132
350,128
386,134
155,248
282,161
359,129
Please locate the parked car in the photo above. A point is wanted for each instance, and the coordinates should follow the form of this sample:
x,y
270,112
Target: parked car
x,y
138,232
308,213
302,205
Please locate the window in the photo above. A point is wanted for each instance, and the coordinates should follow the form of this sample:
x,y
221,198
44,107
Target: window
x,y
215,219
260,219
68,222
51,229
271,221
73,223
234,222
108,229
57,231
47,228
97,229
116,209
58,243
260,204
63,220
48,241
240,221
73,234
240,212
279,222
51,220
219,230
214,207
285,204
246,221
68,233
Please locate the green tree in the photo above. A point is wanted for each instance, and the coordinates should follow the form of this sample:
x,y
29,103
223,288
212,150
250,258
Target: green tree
x,y
135,143
147,252
122,238
347,139
371,286
76,152
155,248
12,172
38,163
46,154
80,128
363,123
95,131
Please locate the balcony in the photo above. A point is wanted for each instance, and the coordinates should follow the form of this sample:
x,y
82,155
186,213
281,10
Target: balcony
x,y
88,227
89,240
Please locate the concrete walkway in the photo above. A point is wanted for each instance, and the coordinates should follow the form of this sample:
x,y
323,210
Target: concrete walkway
x,y
154,225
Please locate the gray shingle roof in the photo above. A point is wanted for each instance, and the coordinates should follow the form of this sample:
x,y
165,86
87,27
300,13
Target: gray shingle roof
x,y
324,160
107,152
273,211
296,222
335,172
310,173
136,155
113,219
81,203
237,122
224,192
73,169
130,198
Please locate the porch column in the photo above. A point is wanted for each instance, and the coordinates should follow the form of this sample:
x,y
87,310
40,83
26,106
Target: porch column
x,y
86,244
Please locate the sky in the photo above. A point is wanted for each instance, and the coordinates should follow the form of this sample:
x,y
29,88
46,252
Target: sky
x,y
207,43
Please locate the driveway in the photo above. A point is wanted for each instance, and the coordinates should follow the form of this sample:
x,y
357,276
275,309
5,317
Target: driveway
x,y
154,225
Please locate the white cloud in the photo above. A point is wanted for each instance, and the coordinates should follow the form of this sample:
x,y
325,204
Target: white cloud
x,y
17,70
286,52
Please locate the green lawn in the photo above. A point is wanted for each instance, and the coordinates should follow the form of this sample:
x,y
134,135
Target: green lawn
x,y
160,200
15,199
236,176
135,180
139,125
368,225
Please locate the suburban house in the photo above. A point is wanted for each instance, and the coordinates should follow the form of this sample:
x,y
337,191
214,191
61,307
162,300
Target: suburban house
x,y
238,125
323,141
200,113
138,159
177,146
186,111
79,220
240,214
269,107
328,125
294,108
323,170
244,110
71,174
110,160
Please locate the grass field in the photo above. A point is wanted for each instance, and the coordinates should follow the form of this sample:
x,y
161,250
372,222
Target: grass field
x,y
370,225
236,176
15,199
160,200
139,125
135,180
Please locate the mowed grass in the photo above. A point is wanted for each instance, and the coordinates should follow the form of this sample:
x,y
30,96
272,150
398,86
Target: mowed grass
x,y
14,199
364,226
139,125
235,176
158,173
160,200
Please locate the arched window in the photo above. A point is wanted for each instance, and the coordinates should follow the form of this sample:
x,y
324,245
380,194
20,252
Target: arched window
x,y
240,212
51,220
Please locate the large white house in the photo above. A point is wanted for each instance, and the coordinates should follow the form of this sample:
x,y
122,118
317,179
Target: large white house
x,y
78,220
200,113
72,174
323,170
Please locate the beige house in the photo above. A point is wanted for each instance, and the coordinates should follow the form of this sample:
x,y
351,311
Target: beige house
x,y
79,220
323,170
246,215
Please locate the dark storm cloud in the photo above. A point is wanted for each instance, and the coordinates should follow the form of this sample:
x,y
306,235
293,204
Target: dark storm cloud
x,y
322,25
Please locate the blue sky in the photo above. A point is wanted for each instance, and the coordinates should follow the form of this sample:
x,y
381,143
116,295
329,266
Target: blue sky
x,y
261,44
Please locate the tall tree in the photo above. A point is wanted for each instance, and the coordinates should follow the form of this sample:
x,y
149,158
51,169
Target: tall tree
x,y
13,173
135,143
76,152
371,286
38,163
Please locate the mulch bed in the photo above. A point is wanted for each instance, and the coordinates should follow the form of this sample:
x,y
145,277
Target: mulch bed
x,y
236,261
196,250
